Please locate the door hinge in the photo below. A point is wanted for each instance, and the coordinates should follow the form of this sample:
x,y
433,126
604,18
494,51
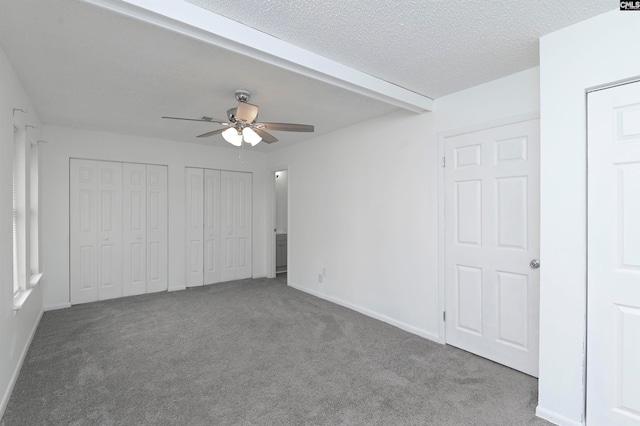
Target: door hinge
x,y
444,315
444,162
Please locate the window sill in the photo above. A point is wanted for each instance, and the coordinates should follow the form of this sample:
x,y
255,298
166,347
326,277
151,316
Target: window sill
x,y
19,300
35,279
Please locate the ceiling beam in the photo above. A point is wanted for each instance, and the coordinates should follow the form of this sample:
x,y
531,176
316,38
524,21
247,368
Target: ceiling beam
x,y
193,21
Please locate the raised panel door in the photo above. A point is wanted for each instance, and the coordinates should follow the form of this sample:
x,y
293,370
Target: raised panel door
x,y
134,229
211,225
613,259
236,225
491,235
194,226
83,227
157,228
109,211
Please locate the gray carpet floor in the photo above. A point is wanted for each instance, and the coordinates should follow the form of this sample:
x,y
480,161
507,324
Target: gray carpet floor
x,y
252,352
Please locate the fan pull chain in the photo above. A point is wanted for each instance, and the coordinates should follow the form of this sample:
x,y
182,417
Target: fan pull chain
x,y
241,152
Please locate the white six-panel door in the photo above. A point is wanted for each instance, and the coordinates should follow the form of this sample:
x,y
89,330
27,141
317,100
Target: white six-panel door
x,y
491,235
157,228
212,227
613,330
135,229
194,229
236,225
83,227
109,230
118,229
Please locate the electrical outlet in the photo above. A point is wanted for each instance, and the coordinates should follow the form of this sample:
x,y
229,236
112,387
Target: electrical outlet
x,y
320,277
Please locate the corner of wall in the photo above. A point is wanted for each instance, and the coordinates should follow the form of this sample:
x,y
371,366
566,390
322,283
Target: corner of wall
x,y
16,372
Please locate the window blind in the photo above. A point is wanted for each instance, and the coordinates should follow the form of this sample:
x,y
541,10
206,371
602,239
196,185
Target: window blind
x,y
16,278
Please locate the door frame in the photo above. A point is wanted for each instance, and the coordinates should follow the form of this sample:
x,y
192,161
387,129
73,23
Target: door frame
x,y
442,140
271,218
585,359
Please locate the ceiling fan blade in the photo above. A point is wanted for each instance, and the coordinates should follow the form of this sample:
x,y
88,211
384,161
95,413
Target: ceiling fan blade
x,y
286,127
266,137
215,132
247,112
203,119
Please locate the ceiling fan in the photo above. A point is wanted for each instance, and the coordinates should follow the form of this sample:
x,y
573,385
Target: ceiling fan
x,y
241,124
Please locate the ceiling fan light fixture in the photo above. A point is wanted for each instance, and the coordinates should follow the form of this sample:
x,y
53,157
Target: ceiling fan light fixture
x,y
232,136
250,136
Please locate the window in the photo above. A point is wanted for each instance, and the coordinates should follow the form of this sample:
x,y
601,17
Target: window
x,y
34,221
25,216
15,266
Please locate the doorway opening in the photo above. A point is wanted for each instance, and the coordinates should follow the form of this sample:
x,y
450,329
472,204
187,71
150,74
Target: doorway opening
x,y
281,221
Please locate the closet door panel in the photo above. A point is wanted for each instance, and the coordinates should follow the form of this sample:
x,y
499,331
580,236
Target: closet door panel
x,y
83,224
194,231
156,228
236,225
109,211
135,227
212,226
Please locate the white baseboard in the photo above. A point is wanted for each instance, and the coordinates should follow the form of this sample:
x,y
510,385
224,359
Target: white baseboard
x,y
556,418
176,288
16,373
368,312
58,306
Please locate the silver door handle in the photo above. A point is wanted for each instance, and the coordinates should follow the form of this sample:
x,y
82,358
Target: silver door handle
x,y
534,264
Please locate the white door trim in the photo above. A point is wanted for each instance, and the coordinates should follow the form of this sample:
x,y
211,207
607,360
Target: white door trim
x,y
593,310
442,137
271,217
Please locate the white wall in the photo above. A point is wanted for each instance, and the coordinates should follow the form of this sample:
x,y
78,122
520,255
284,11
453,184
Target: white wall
x,y
16,329
282,195
364,204
507,97
359,207
65,143
592,53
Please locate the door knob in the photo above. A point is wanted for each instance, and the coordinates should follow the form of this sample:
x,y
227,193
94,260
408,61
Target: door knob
x,y
534,264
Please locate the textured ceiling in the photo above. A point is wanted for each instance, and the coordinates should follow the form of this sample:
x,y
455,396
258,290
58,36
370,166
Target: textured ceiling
x,y
432,47
88,67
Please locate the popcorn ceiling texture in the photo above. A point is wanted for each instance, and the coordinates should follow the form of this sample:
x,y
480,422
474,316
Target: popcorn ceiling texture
x,y
431,47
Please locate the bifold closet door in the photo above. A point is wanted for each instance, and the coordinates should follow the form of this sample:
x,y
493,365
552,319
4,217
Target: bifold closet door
x,y
157,228
118,229
235,208
95,230
218,231
83,222
194,231
203,227
135,228
109,230
212,272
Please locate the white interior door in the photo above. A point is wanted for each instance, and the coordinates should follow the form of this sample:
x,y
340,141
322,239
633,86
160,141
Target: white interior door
x,y
613,330
156,228
212,227
195,223
134,229
491,235
83,224
235,210
109,229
